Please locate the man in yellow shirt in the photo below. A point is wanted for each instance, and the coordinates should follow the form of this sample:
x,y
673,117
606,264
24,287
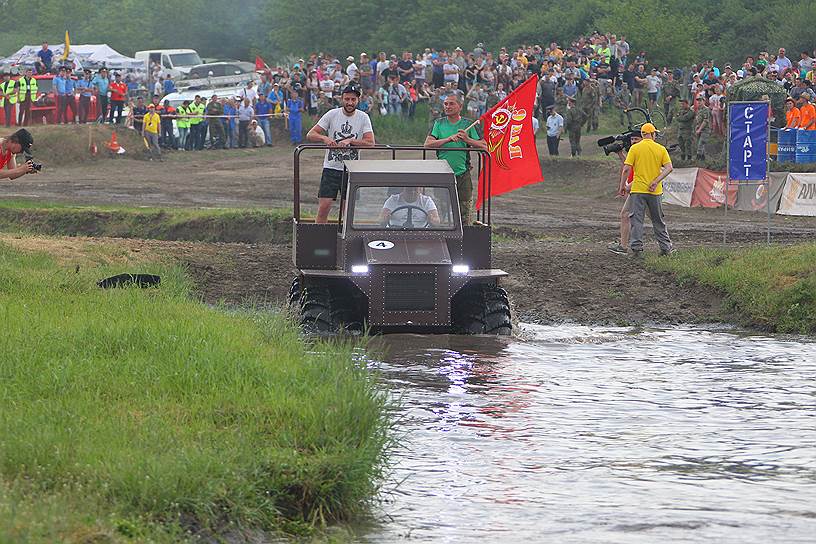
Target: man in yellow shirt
x,y
150,131
651,164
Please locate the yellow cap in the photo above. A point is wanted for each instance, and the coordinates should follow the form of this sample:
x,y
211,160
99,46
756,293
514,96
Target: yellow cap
x,y
648,128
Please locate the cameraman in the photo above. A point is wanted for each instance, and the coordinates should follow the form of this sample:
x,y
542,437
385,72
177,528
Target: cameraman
x,y
651,164
19,142
621,247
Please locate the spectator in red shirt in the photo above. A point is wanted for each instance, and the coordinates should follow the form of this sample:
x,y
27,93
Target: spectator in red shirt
x,y
118,94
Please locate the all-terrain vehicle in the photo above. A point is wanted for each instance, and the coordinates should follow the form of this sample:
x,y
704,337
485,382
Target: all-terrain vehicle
x,y
398,258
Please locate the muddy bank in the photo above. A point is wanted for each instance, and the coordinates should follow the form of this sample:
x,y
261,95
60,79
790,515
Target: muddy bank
x,y
550,281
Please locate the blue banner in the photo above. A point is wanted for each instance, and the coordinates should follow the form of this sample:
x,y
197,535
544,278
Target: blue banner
x,y
748,141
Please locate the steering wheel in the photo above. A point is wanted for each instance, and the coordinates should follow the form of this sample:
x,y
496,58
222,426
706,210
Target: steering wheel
x,y
409,223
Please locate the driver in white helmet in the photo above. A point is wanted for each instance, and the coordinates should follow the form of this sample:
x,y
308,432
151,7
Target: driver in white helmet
x,y
409,209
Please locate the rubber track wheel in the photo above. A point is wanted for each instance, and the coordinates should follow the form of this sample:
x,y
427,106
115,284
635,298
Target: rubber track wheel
x,y
345,310
482,309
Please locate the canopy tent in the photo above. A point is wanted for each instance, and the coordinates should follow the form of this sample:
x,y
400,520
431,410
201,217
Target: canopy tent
x,y
83,56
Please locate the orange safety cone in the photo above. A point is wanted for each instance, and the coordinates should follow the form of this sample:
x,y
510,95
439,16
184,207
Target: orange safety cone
x,y
113,145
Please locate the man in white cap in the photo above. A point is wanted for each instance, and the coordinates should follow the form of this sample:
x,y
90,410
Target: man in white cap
x,y
351,70
651,164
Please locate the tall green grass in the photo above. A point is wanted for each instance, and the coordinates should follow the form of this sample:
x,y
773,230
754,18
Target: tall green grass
x,y
143,413
770,287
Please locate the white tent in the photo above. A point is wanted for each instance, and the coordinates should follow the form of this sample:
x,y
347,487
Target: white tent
x,y
84,56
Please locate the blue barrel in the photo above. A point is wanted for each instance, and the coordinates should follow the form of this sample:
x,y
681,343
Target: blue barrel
x,y
786,145
805,146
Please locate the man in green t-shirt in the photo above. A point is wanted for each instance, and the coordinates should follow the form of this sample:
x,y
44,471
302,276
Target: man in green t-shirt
x,y
452,131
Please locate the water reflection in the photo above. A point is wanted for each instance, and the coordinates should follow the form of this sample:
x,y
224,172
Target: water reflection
x,y
577,434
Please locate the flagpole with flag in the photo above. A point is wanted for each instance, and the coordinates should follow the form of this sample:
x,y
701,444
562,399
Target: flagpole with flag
x,y
508,131
67,48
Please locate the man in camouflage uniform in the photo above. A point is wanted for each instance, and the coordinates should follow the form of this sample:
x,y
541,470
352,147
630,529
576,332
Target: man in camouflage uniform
x,y
702,127
623,101
595,106
671,93
560,99
685,129
435,103
574,119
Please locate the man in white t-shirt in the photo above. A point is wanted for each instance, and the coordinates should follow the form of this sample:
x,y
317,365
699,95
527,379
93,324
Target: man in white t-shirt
x,y
341,129
351,70
249,92
451,71
409,209
653,85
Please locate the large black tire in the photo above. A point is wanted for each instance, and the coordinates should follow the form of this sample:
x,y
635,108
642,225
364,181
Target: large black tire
x,y
481,308
315,309
327,307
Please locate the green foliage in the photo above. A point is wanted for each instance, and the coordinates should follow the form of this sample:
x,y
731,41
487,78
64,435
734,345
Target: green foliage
x,y
675,33
669,36
772,287
135,412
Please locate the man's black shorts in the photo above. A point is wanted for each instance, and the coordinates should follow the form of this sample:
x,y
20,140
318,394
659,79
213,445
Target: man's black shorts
x,y
331,182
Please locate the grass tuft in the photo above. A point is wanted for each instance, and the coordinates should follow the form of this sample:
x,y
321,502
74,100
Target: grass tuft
x,y
141,413
771,287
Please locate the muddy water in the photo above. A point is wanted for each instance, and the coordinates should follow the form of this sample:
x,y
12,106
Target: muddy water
x,y
576,434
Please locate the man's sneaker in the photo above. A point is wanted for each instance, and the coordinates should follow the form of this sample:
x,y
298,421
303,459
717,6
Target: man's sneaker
x,y
617,248
666,252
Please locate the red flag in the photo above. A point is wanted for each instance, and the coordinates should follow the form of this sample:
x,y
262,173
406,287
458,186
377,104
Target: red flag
x,y
508,131
260,65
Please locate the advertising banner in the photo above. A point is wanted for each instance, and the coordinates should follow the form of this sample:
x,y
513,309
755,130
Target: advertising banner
x,y
709,190
754,198
748,141
679,186
799,195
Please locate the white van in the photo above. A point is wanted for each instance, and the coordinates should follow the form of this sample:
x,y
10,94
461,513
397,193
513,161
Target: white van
x,y
174,62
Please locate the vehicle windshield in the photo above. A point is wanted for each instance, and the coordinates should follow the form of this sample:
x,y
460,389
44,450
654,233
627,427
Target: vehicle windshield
x,y
404,208
185,59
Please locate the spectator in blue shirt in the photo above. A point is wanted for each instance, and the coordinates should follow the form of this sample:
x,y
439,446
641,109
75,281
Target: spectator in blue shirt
x,y
46,56
263,109
169,86
64,86
100,84
86,91
232,133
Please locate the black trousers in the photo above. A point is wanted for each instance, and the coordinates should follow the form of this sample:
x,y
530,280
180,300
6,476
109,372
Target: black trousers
x,y
552,144
116,106
243,133
101,108
66,102
8,110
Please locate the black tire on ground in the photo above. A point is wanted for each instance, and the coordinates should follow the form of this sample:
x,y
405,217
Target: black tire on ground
x,y
327,306
481,308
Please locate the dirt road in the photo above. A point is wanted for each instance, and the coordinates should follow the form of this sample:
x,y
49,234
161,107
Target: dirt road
x,y
552,236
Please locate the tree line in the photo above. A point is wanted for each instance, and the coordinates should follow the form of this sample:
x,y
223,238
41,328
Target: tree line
x,y
673,33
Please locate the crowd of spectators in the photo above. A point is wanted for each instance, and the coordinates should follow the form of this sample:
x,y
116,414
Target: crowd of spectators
x,y
592,73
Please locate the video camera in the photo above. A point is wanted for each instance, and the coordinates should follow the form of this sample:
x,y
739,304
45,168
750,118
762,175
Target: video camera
x,y
36,165
620,142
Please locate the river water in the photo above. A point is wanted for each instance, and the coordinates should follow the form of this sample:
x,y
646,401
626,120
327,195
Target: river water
x,y
579,434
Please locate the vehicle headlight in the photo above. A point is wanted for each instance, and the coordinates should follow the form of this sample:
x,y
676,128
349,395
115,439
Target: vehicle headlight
x,y
460,269
359,269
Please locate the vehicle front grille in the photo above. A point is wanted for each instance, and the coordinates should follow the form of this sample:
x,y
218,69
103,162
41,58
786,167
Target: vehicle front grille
x,y
410,292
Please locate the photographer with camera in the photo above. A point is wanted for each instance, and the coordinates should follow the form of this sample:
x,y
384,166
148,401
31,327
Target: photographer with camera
x,y
19,142
651,164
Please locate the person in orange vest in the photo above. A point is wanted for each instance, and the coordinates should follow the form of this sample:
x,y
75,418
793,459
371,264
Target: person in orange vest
x,y
791,113
168,113
807,113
